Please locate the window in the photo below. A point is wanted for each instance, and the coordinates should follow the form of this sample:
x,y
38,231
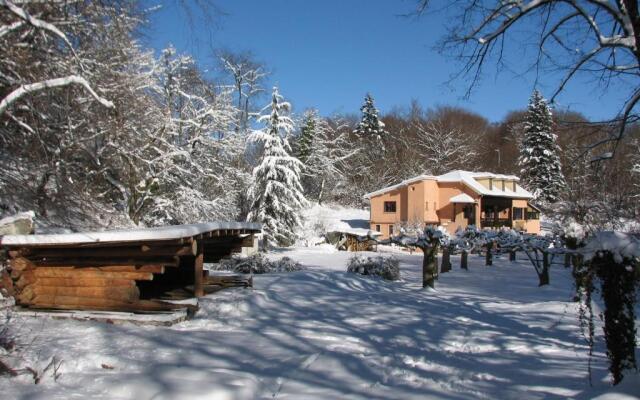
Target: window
x,y
518,213
377,228
390,230
490,184
426,206
503,186
389,206
467,211
532,214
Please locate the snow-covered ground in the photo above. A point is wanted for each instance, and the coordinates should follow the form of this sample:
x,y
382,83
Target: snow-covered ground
x,y
489,332
322,333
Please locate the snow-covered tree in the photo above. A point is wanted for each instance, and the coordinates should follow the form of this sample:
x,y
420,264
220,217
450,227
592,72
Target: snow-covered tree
x,y
307,133
539,162
325,151
442,149
370,125
276,193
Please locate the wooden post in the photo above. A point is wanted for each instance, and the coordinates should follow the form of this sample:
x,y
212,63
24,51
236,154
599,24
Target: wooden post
x,y
512,255
446,260
544,276
489,256
198,282
463,260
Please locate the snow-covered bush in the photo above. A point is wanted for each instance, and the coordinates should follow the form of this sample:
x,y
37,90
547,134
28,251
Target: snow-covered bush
x,y
386,268
258,264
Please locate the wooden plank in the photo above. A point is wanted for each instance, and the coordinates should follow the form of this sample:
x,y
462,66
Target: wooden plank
x,y
65,282
82,273
102,262
199,274
124,293
156,269
113,305
144,251
150,243
20,264
6,282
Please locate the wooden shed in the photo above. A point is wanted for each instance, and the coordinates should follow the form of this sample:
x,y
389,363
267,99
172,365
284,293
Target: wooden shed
x,y
120,270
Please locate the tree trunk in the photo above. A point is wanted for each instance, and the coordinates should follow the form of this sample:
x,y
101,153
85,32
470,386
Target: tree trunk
x,y
446,260
489,256
544,274
463,260
430,266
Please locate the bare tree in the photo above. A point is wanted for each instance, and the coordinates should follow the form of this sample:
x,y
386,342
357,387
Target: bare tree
x,y
595,38
249,77
442,149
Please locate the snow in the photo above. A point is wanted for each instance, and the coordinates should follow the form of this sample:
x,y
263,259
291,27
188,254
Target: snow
x,y
469,179
462,198
322,333
320,219
125,235
29,215
621,245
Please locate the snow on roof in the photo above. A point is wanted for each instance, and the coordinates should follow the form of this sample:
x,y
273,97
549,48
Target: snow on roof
x,y
621,245
399,185
462,198
469,179
357,232
126,235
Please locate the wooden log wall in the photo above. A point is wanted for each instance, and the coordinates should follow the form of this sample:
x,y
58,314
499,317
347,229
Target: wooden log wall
x,y
100,278
115,277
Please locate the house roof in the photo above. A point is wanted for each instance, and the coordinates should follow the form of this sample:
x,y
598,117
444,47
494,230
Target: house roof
x,y
469,178
172,232
399,185
462,198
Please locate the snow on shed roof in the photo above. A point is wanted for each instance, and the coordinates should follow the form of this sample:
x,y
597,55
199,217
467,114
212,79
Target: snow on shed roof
x,y
171,232
469,179
462,198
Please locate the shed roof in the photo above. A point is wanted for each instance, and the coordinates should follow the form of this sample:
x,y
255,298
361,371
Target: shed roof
x,y
172,232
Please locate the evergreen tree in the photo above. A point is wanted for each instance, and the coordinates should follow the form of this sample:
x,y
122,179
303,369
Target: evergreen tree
x,y
276,194
307,133
370,125
539,161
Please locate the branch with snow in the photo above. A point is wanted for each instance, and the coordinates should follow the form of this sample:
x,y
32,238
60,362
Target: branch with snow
x,y
50,84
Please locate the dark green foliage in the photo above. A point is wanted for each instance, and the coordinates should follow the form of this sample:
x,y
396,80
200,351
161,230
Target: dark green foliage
x,y
618,293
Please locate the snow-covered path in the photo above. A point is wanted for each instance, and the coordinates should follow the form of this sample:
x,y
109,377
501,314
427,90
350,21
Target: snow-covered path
x,y
489,332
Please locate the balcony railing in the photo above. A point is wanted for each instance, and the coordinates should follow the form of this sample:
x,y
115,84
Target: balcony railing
x,y
495,223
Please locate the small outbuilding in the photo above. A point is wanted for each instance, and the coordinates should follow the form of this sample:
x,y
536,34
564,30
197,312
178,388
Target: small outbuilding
x,y
121,270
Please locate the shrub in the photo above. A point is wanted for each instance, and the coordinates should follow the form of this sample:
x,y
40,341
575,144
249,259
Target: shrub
x,y
258,264
386,268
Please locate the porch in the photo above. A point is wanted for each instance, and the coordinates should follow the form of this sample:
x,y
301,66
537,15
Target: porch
x,y
496,212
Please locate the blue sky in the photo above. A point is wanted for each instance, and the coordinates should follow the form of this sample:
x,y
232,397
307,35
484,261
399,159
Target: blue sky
x,y
328,54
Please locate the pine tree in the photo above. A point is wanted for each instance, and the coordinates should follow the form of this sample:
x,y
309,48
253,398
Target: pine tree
x,y
307,133
539,161
370,125
276,193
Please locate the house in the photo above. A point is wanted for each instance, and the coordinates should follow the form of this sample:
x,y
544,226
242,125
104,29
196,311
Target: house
x,y
454,200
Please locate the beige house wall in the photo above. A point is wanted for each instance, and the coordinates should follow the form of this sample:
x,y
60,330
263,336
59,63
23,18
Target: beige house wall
x,y
446,190
428,201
